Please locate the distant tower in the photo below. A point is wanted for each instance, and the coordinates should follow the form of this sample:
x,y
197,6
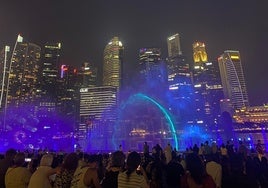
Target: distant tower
x,y
179,80
23,74
152,68
148,58
88,75
3,76
174,47
67,92
232,77
112,63
50,67
199,52
208,89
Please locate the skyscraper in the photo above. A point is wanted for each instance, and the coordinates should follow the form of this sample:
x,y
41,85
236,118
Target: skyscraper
x,y
232,77
23,74
152,68
174,47
208,88
112,63
3,74
50,67
199,52
97,104
179,80
88,75
67,92
149,56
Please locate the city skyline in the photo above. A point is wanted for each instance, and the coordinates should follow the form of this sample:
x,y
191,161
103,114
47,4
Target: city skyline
x,y
85,28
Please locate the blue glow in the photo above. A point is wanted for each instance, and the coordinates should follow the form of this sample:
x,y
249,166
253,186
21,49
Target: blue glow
x,y
194,135
139,96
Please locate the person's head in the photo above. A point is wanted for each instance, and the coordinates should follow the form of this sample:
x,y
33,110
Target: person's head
x,y
46,160
133,161
236,163
93,160
195,166
10,153
118,159
19,159
264,161
70,162
32,165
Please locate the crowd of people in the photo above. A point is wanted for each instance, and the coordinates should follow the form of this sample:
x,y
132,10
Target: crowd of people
x,y
204,166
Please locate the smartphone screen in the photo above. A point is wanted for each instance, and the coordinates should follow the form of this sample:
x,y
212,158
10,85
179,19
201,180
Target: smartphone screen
x,y
28,159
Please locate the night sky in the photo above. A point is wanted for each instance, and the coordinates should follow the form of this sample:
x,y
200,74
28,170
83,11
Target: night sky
x,y
85,26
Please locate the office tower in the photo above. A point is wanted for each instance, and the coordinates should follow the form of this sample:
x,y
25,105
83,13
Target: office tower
x,y
179,81
152,69
148,57
174,47
3,74
213,93
97,104
67,92
88,75
207,84
112,63
67,85
199,81
23,74
50,69
232,77
199,52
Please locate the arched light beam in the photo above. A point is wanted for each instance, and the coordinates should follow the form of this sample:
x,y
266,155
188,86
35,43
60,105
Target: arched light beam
x,y
163,110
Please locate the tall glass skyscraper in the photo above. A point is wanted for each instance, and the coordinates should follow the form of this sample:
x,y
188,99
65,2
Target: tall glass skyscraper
x,y
97,104
23,74
174,46
179,80
50,67
112,63
88,75
199,54
148,58
3,74
208,89
232,77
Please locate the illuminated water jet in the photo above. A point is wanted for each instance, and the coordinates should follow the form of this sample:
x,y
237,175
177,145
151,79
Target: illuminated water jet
x,y
137,97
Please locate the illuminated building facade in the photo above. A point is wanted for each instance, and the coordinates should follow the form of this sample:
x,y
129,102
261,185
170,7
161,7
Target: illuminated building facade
x,y
255,114
23,74
213,92
152,69
3,74
207,86
68,91
112,63
67,102
148,57
96,104
174,47
50,68
199,52
179,80
88,75
232,77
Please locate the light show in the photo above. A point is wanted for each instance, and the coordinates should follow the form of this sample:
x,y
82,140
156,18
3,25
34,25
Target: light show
x,y
169,130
